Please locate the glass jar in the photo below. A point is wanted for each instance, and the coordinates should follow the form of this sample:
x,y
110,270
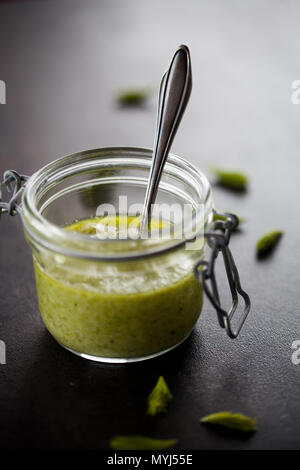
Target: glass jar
x,y
115,300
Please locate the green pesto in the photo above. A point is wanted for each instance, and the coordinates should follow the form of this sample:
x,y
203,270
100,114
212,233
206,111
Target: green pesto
x,y
140,443
84,313
268,242
159,398
236,421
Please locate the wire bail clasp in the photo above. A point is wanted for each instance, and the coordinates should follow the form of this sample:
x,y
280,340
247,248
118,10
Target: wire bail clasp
x,y
218,241
14,183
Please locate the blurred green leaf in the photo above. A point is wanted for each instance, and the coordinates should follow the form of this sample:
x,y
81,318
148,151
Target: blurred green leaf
x,y
132,97
229,420
268,242
159,398
140,443
231,179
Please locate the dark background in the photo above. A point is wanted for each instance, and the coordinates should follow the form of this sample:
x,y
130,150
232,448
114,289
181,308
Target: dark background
x,y
63,61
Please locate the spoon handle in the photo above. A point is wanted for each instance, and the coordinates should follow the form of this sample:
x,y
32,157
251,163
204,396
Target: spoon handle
x,y
174,93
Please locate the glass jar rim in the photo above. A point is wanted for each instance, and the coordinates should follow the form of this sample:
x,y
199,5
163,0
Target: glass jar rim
x,y
42,232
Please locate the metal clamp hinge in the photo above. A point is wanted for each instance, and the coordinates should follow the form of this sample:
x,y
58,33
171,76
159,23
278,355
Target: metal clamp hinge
x,y
218,240
14,183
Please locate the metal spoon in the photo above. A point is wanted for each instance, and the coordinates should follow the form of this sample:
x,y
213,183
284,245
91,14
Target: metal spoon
x,y
174,93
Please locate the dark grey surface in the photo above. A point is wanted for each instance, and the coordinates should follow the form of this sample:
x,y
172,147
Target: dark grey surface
x,y
62,62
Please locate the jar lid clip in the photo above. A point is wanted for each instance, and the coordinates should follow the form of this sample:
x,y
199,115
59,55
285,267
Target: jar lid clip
x,y
218,240
14,183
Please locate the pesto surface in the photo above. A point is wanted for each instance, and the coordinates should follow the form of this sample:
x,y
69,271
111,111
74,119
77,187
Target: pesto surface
x,y
117,311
